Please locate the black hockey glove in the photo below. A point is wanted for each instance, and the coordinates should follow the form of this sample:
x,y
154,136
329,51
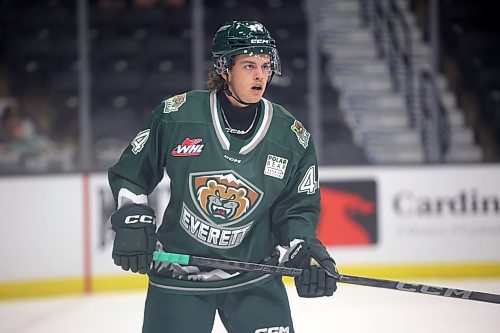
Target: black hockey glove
x,y
315,281
135,238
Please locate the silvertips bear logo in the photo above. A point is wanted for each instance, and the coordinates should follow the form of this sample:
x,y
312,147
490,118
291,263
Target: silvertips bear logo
x,y
224,199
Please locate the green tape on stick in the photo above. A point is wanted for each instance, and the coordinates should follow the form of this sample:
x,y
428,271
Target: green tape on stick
x,y
174,258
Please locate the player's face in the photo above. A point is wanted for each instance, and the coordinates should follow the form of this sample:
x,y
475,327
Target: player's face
x,y
247,78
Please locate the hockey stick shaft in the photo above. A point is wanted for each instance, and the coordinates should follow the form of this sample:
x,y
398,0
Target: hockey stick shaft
x,y
184,259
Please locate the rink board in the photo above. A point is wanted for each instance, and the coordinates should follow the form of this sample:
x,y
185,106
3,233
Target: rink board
x,y
384,222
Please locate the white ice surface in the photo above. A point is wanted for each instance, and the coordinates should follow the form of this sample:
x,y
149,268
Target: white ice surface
x,y
352,309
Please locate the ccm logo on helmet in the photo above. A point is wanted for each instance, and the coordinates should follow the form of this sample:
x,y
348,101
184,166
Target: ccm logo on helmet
x,y
139,218
259,41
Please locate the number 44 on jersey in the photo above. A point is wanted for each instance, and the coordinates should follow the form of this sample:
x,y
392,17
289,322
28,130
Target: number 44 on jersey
x,y
309,184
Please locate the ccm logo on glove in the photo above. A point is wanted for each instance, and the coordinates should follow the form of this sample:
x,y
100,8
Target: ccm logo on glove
x,y
139,218
135,238
295,252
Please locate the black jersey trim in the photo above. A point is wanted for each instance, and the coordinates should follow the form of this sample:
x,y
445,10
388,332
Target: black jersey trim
x,y
261,132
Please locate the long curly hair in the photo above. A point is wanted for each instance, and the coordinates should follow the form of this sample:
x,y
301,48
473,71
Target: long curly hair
x,y
215,81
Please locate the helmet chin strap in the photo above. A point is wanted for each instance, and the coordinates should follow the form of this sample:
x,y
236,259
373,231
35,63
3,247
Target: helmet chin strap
x,y
230,94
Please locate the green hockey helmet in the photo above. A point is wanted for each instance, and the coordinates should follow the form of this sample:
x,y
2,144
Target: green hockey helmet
x,y
243,37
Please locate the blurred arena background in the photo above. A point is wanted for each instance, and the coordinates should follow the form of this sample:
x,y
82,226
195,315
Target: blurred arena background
x,y
402,98
376,82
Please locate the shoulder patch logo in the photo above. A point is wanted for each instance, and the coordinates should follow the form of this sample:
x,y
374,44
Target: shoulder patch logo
x,y
174,103
188,147
302,134
139,141
275,166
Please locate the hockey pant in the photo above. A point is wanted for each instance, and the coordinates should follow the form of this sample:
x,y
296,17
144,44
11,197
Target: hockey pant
x,y
261,309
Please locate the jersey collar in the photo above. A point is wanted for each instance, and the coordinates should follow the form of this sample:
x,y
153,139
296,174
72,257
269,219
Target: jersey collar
x,y
223,136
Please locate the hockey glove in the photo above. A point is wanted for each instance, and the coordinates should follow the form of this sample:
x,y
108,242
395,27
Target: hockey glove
x,y
319,273
135,238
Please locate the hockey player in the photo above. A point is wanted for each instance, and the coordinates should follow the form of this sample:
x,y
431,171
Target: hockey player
x,y
244,179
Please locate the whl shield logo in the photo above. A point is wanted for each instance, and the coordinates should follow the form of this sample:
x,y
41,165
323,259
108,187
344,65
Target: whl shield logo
x,y
188,147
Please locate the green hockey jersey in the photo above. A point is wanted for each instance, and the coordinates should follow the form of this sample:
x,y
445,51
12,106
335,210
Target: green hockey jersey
x,y
230,198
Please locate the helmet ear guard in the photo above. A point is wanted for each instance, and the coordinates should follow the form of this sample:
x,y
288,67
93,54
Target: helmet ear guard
x,y
221,65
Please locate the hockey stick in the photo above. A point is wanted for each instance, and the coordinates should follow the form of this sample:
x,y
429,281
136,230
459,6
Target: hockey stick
x,y
184,259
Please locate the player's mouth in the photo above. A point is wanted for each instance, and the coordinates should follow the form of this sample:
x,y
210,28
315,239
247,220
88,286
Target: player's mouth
x,y
258,88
